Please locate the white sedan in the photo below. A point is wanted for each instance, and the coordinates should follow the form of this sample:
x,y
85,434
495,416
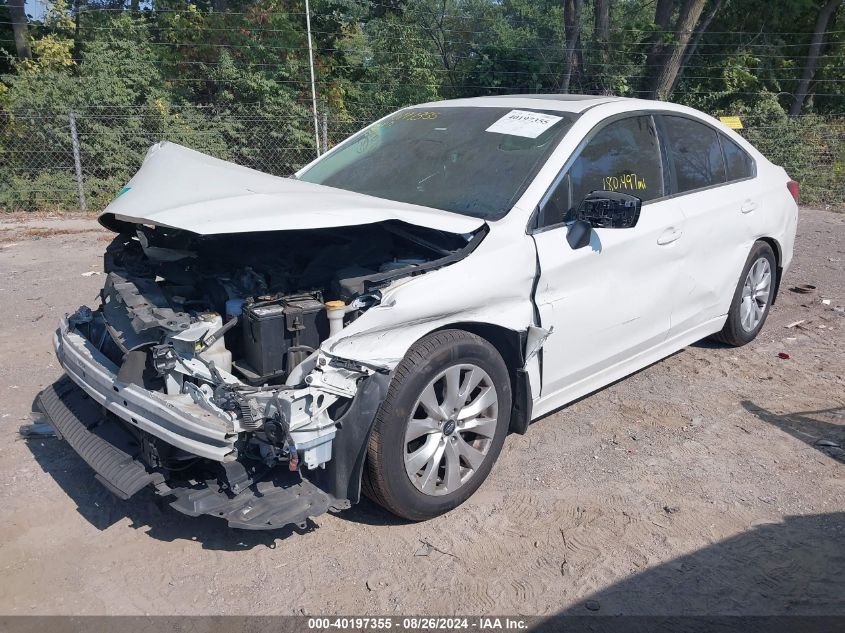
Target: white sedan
x,y
267,347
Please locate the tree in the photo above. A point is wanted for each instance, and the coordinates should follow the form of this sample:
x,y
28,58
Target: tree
x,y
17,11
433,20
664,62
572,28
381,8
699,32
601,35
663,13
825,13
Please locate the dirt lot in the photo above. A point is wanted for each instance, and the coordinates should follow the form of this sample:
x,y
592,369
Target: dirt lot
x,y
695,486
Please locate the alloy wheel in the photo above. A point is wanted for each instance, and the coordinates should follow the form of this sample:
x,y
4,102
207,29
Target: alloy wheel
x,y
450,429
755,294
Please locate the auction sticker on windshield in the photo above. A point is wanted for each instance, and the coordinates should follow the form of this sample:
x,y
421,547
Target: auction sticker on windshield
x,y
524,123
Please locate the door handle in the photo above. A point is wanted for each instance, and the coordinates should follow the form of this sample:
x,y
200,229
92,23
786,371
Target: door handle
x,y
748,206
669,235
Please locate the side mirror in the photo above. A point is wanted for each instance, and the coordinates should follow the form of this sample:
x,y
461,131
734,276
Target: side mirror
x,y
609,210
578,234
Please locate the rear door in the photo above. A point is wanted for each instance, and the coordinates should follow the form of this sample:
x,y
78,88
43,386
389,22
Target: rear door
x,y
713,179
612,299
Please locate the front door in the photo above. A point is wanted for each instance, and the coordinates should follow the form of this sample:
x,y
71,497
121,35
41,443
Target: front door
x,y
611,300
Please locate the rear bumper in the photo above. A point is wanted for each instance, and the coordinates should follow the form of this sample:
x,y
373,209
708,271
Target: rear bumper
x,y
173,419
114,455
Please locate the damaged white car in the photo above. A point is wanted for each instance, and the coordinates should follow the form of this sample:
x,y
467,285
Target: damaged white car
x,y
265,348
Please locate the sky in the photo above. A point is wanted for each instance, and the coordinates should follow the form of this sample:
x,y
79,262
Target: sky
x,y
35,9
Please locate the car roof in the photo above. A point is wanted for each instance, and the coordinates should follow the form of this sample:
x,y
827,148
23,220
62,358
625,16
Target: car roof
x,y
576,104
571,103
557,102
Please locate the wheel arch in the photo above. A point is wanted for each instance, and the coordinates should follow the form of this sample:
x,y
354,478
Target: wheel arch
x,y
778,251
511,347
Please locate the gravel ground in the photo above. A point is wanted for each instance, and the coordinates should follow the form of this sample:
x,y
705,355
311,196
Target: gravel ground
x,y
696,486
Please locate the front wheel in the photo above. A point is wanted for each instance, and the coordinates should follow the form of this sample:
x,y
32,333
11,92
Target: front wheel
x,y
441,426
752,298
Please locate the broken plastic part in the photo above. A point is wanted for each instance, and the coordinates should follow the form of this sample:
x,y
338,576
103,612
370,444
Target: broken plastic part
x,y
535,338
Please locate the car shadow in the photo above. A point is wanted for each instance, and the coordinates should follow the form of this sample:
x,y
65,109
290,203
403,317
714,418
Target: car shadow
x,y
788,568
608,386
710,343
145,511
807,426
150,513
367,512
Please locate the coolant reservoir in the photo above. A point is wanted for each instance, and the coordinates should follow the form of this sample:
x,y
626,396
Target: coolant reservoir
x,y
335,311
217,352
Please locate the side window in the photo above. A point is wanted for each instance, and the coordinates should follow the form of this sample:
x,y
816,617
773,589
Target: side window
x,y
623,156
737,161
695,155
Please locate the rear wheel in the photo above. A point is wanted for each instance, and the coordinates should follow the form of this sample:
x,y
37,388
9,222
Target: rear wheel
x,y
441,426
752,297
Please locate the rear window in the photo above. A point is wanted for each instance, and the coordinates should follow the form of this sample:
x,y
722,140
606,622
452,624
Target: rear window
x,y
737,161
695,154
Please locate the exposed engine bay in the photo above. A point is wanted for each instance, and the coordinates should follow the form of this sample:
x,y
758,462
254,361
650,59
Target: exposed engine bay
x,y
272,297
229,327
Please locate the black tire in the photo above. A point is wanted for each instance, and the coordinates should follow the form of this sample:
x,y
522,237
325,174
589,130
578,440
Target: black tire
x,y
733,333
385,479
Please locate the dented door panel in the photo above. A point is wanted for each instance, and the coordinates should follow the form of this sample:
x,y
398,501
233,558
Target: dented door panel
x,y
607,301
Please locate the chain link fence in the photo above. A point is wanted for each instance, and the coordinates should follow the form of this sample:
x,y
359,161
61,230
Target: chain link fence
x,y
80,159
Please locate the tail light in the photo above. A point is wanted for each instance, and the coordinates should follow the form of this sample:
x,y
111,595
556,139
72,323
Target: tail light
x,y
794,189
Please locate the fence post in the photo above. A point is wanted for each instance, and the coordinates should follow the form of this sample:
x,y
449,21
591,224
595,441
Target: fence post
x,y
325,122
77,161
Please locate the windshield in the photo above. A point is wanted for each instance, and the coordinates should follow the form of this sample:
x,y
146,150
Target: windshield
x,y
473,161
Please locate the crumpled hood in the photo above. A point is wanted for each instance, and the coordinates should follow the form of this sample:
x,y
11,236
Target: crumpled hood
x,y
185,189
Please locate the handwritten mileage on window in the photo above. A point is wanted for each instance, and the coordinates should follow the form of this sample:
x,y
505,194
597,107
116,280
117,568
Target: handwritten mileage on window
x,y
408,115
624,182
371,135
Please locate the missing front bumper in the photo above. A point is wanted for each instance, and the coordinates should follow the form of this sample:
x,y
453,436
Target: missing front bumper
x,y
174,420
281,499
114,424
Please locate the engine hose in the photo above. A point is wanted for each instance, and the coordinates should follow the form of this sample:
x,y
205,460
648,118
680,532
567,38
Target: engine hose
x,y
212,338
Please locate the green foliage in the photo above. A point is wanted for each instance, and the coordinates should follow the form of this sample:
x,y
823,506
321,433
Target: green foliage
x,y
233,81
7,45
128,91
811,148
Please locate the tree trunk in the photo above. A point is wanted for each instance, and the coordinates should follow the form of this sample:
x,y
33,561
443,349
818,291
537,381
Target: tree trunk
x,y
601,34
578,66
662,18
663,13
696,39
816,43
77,20
17,11
602,20
669,63
572,30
